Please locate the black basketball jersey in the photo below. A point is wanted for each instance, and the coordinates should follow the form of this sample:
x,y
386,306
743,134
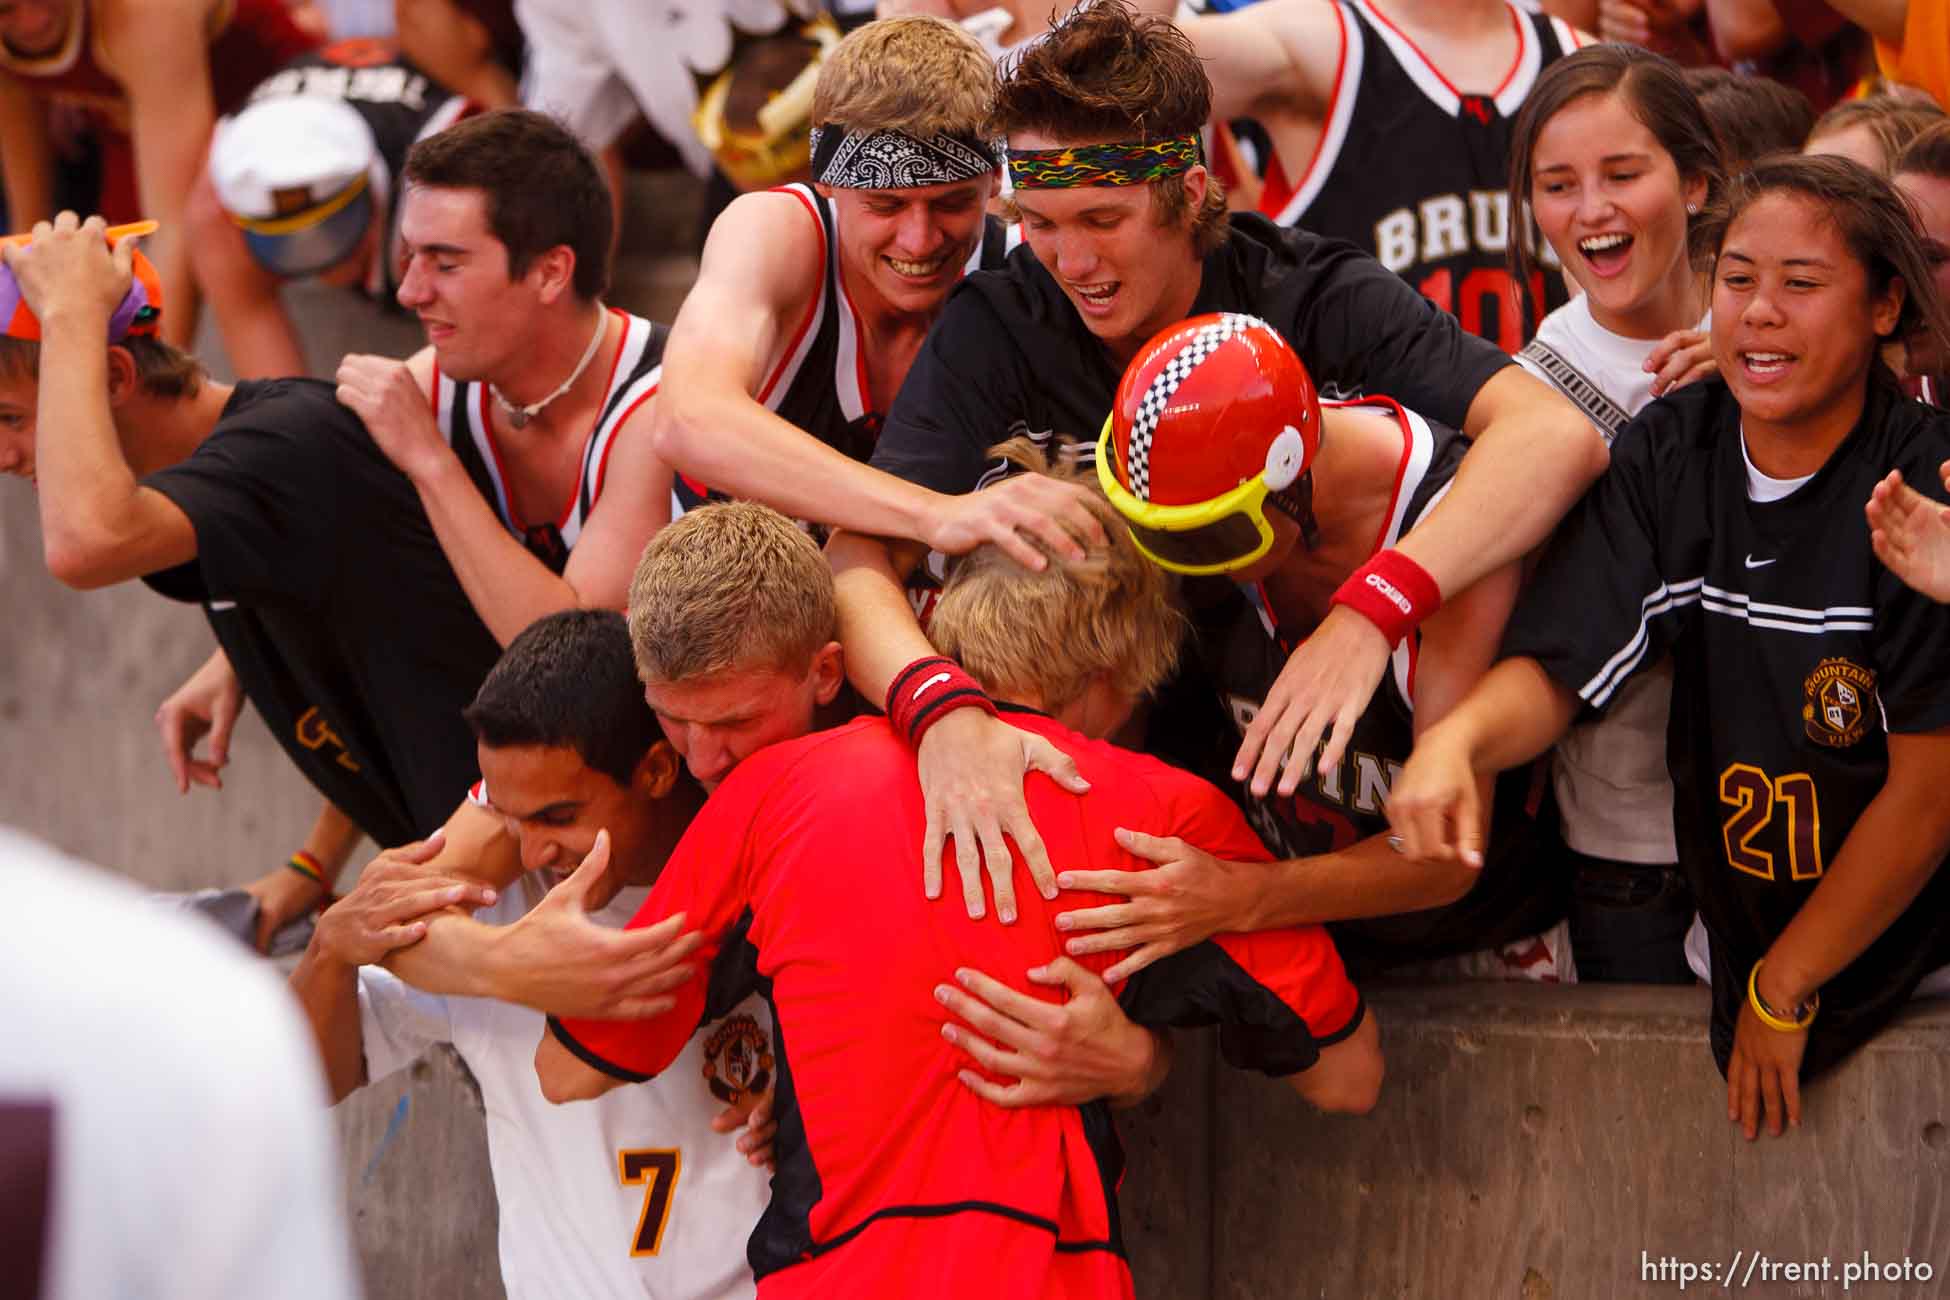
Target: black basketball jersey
x,y
1796,653
1242,650
399,105
820,384
461,410
1416,172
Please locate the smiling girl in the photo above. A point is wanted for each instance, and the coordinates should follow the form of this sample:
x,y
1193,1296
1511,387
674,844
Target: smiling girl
x,y
1810,727
1615,160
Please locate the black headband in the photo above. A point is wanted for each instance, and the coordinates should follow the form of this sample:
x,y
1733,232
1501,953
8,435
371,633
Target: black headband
x,y
894,160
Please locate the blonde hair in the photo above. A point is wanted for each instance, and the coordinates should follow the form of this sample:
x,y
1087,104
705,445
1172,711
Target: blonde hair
x,y
1047,634
730,586
917,74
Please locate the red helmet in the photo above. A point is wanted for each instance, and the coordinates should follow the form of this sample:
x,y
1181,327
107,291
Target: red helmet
x,y
1210,404
1215,419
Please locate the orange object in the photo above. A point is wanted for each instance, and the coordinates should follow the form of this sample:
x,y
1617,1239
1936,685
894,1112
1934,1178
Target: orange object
x,y
133,230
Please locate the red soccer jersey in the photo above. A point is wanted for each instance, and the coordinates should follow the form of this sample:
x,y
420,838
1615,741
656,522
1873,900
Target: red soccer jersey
x,y
804,873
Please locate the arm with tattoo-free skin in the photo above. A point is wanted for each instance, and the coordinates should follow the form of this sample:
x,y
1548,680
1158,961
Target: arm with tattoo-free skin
x,y
1533,456
1891,853
759,274
208,705
971,765
1192,895
1280,54
160,51
26,154
284,894
507,586
389,907
98,524
555,959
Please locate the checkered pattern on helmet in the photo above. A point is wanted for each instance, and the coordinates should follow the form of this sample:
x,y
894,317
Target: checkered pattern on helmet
x,y
1158,394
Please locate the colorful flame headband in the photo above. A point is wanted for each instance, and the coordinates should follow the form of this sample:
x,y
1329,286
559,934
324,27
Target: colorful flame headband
x,y
1121,163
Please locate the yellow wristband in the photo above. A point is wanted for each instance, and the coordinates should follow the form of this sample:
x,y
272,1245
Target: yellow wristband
x,y
1772,1018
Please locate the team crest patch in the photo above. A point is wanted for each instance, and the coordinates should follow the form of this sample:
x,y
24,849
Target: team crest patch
x,y
1839,694
737,1060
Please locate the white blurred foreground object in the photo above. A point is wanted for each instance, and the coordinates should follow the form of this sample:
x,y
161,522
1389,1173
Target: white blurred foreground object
x,y
163,1130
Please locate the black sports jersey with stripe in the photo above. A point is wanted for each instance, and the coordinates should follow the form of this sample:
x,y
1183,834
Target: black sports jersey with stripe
x,y
1243,650
1796,654
1434,209
399,105
462,412
820,384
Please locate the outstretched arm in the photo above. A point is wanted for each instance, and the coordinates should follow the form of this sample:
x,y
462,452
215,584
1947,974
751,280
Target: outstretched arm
x,y
1534,455
389,907
1911,535
1192,895
1281,54
554,959
971,765
160,50
26,154
760,274
257,334
1514,714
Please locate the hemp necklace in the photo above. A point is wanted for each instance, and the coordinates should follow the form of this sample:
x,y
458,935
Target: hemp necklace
x,y
519,416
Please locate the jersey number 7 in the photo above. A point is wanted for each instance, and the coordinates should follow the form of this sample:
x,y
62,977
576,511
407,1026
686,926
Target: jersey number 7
x,y
657,1171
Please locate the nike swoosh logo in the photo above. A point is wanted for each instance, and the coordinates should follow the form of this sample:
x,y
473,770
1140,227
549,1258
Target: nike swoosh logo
x,y
1752,563
935,680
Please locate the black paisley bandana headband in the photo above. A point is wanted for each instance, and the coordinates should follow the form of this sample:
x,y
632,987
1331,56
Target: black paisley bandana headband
x,y
1126,162
895,160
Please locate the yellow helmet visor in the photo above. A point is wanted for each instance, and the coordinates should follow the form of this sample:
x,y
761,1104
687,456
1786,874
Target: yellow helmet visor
x,y
1217,536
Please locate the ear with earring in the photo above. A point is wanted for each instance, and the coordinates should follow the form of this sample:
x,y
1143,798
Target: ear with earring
x,y
1692,209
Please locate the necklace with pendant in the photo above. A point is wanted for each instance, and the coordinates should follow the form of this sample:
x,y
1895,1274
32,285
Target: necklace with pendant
x,y
519,416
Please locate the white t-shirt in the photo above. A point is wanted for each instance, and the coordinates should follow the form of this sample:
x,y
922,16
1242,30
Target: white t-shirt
x,y
1614,792
627,1196
191,1157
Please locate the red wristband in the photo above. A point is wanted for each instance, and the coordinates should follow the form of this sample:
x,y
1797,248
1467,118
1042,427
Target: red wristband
x,y
928,690
1392,592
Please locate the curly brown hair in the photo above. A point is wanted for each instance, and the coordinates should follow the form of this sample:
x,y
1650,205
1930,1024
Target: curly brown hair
x,y
1107,72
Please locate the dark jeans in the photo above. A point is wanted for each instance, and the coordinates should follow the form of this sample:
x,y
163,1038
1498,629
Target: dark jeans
x,y
1628,921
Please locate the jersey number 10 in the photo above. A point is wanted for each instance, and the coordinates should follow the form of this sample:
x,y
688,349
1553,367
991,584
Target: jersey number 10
x,y
1484,285
1754,799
